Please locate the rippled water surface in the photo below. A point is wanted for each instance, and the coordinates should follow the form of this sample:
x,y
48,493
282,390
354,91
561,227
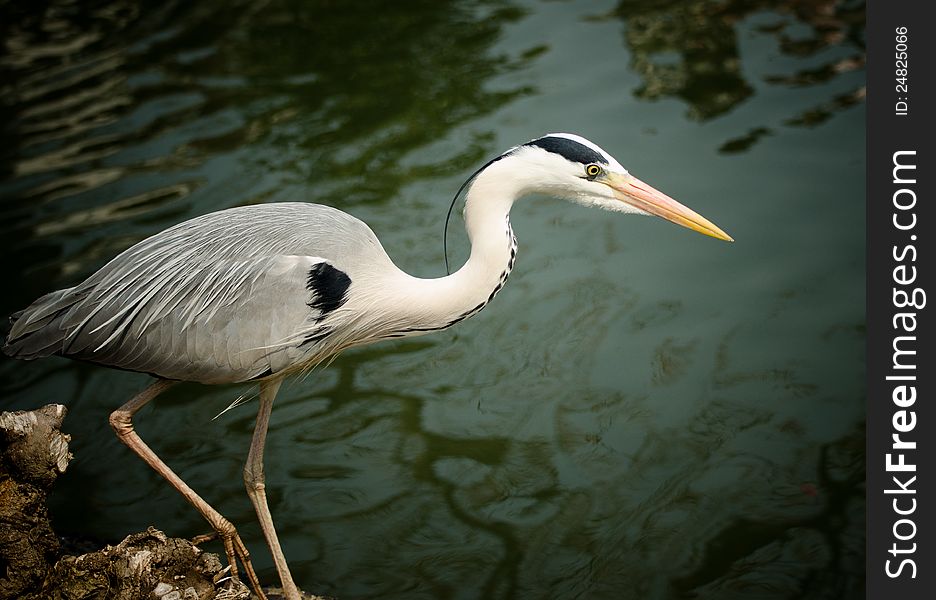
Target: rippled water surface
x,y
643,411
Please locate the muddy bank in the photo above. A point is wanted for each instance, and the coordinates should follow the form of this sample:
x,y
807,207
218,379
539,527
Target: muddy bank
x,y
33,566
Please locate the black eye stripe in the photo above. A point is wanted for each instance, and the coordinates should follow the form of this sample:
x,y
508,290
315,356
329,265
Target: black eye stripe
x,y
569,149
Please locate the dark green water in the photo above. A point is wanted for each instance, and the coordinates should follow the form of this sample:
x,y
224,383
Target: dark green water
x,y
642,413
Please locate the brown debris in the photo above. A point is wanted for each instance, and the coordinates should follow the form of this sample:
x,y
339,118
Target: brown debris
x,y
33,452
147,565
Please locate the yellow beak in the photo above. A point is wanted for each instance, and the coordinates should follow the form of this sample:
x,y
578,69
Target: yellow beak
x,y
636,193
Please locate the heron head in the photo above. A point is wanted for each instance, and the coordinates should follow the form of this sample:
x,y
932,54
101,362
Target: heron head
x,y
569,166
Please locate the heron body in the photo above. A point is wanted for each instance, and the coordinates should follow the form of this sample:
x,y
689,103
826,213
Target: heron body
x,y
256,293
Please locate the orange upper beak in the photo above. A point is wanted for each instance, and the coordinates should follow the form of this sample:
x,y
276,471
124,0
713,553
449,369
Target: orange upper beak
x,y
636,193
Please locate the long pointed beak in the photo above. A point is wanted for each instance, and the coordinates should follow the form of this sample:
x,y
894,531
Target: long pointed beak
x,y
636,193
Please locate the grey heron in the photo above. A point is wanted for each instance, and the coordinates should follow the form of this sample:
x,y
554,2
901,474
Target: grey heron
x,y
257,293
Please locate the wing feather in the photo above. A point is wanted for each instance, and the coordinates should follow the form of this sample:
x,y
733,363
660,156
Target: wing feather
x,y
219,298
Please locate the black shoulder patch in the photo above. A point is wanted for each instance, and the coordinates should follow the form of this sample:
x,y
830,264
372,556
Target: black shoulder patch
x,y
329,287
569,149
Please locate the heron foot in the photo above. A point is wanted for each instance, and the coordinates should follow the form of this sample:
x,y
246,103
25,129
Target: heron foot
x,y
236,551
235,547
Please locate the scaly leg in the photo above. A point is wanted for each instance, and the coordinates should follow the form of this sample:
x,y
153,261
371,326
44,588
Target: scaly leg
x,y
121,421
256,488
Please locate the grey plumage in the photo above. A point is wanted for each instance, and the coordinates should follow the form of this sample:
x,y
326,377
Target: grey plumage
x,y
220,298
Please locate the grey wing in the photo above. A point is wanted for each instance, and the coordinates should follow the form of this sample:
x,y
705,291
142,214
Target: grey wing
x,y
226,297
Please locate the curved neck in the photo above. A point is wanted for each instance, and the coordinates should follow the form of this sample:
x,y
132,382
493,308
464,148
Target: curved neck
x,y
487,221
433,304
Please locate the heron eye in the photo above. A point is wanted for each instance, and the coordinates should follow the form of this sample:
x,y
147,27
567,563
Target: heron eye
x,y
592,170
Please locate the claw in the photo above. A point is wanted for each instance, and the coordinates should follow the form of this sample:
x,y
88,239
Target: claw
x,y
236,551
248,567
204,537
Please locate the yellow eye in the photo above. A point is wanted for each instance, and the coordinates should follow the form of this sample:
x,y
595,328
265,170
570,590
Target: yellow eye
x,y
592,170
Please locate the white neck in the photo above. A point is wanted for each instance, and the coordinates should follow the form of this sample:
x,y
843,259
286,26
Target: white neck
x,y
432,304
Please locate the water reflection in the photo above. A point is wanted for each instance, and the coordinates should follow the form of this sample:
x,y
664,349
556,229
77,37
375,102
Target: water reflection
x,y
692,51
118,116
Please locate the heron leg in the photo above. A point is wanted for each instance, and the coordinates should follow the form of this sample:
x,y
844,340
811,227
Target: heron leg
x,y
121,421
256,488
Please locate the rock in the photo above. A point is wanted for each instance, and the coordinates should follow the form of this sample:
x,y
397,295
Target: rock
x,y
33,452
